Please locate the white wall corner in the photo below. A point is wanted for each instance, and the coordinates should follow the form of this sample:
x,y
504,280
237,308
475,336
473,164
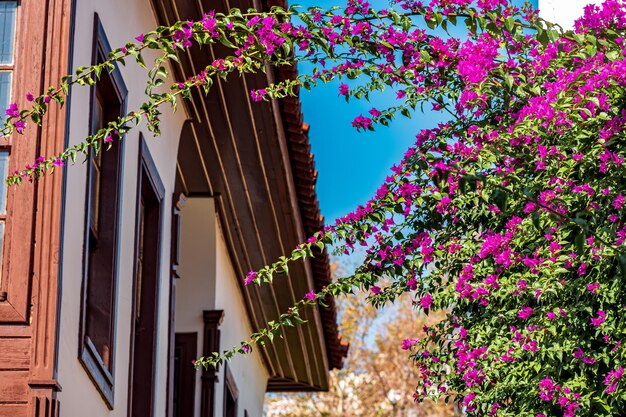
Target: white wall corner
x,y
563,12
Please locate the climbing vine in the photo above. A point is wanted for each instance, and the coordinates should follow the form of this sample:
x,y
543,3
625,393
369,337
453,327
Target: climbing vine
x,y
510,216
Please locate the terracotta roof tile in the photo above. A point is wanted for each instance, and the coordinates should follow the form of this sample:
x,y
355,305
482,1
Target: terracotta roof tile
x,y
305,177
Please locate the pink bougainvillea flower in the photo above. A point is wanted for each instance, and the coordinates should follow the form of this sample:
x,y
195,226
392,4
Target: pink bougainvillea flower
x,y
258,95
597,321
12,111
618,201
525,312
468,401
362,122
374,112
612,379
593,287
20,125
547,389
250,278
408,343
426,301
412,284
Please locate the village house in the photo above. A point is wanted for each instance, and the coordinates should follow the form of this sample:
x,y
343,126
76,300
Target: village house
x,y
117,272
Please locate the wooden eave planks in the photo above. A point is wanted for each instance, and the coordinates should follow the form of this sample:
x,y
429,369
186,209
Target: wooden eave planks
x,y
234,141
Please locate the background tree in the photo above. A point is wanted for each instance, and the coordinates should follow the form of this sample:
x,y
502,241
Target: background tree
x,y
377,379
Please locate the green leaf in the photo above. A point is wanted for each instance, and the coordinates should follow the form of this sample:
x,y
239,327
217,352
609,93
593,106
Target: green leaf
x,y
579,241
622,265
582,223
509,23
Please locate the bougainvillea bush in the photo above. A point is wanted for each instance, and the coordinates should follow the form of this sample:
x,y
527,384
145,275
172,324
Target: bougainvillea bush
x,y
510,217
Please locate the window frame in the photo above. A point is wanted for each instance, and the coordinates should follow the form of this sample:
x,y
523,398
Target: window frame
x,y
99,373
178,203
187,345
211,343
10,68
14,286
230,389
148,173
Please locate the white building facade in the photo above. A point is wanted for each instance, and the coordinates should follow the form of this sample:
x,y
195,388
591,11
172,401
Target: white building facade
x,y
563,12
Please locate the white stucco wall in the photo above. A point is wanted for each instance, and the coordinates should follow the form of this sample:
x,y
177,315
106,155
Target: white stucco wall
x,y
563,12
195,290
122,21
248,371
208,282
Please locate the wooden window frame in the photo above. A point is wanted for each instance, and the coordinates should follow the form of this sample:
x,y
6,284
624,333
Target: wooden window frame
x,y
149,173
188,344
178,204
11,67
20,210
211,340
102,377
230,387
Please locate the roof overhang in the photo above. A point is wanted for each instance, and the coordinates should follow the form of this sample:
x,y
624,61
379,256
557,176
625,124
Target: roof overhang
x,y
256,157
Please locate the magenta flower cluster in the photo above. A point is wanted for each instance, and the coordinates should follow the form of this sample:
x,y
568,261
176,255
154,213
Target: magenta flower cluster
x,y
509,216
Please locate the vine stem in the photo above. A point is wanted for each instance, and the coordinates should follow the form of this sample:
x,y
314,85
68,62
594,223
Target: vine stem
x,y
9,128
98,136
274,327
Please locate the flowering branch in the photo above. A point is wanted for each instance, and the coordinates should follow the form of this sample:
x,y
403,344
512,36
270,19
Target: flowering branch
x,y
509,216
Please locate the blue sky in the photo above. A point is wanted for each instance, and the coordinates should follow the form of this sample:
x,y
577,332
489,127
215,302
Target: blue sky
x,y
351,165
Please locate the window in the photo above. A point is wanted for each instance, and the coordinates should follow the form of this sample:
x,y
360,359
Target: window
x,y
102,225
8,15
7,31
185,352
230,394
212,321
150,193
173,401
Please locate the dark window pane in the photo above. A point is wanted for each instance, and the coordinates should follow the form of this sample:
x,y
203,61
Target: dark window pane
x,y
103,192
7,31
230,408
142,225
96,164
100,257
147,266
184,389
